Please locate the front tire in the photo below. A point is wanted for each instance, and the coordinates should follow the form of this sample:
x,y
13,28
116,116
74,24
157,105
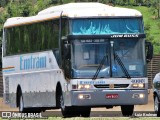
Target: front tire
x,y
66,111
157,106
21,104
70,111
127,110
84,111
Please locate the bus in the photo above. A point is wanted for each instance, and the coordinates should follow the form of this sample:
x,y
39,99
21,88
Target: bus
x,y
65,57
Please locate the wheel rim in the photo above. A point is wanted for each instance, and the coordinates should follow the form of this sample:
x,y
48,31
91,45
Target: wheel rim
x,y
62,102
156,103
21,104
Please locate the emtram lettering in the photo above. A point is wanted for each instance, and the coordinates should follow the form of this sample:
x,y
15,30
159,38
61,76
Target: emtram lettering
x,y
32,62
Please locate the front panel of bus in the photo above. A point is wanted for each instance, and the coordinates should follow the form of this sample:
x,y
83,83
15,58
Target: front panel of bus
x,y
96,65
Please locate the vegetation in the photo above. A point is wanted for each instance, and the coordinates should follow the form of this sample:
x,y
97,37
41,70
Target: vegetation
x,y
149,8
94,118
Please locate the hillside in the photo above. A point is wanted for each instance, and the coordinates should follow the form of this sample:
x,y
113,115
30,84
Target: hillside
x,y
31,7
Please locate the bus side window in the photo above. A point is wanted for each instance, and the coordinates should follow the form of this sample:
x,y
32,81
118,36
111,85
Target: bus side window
x,y
65,29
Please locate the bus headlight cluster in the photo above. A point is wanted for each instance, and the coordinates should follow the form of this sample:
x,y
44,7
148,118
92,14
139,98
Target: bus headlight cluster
x,y
81,86
138,85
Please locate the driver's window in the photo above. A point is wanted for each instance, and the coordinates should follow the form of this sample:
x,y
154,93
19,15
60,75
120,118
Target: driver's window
x,y
123,49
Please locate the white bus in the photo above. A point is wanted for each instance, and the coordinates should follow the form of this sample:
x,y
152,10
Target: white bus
x,y
66,57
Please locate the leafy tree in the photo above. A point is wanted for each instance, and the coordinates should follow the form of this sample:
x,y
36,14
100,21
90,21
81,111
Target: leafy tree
x,y
3,3
156,7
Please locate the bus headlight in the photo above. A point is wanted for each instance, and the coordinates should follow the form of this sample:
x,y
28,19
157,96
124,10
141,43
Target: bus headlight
x,y
140,85
84,86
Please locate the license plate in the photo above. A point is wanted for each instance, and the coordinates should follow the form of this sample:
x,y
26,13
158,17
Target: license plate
x,y
112,96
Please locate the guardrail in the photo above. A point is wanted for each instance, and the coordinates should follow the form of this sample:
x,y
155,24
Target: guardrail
x,y
153,69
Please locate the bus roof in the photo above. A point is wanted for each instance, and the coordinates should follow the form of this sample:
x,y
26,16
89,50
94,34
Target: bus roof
x,y
73,10
90,9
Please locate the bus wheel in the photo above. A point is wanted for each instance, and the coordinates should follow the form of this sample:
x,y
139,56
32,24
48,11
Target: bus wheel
x,y
157,106
66,111
85,112
127,110
21,104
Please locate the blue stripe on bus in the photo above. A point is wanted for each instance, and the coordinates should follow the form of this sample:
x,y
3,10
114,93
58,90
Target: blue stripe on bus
x,y
9,70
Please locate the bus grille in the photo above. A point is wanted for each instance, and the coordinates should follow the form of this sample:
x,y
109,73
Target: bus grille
x,y
115,86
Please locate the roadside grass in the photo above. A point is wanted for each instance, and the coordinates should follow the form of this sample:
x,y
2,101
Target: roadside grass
x,y
94,118
106,118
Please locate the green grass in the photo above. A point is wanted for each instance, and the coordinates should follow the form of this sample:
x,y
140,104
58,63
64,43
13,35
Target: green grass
x,y
105,118
94,118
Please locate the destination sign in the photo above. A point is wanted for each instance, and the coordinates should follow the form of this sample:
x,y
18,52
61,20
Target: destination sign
x,y
93,41
103,37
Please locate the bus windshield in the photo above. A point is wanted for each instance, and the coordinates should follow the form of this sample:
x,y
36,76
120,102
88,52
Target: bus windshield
x,y
131,54
87,55
98,26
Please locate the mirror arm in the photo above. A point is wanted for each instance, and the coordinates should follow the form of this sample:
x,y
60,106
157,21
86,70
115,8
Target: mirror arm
x,y
149,47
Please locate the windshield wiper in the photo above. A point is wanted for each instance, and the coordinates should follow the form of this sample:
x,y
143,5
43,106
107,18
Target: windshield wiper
x,y
100,67
121,65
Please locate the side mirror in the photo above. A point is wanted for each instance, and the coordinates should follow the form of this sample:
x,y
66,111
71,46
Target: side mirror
x,y
63,38
149,51
67,51
66,48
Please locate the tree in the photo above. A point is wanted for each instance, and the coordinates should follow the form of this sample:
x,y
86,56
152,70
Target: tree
x,y
3,3
156,7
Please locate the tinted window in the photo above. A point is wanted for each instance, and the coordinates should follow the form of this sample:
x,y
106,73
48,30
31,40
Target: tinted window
x,y
32,38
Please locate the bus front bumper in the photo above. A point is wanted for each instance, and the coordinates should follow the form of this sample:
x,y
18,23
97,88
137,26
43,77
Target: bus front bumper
x,y
109,97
